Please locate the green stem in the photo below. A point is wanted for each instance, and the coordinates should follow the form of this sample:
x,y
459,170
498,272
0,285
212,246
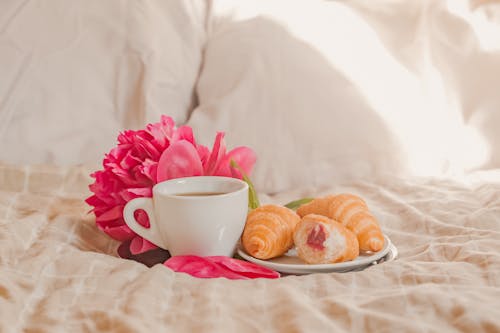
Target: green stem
x,y
253,199
297,203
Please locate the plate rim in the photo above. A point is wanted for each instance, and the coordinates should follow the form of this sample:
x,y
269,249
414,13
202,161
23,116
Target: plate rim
x,y
318,268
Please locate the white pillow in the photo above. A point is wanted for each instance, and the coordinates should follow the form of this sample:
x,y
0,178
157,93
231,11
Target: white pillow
x,y
75,73
327,92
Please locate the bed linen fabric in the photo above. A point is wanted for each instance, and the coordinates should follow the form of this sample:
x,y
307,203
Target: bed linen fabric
x,y
59,273
74,73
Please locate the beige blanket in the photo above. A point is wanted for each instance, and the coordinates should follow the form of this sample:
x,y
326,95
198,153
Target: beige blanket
x,y
58,273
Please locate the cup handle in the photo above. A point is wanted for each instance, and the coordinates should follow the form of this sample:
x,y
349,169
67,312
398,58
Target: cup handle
x,y
152,233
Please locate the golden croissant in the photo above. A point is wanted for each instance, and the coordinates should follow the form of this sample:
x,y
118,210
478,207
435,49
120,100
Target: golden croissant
x,y
268,231
320,240
353,213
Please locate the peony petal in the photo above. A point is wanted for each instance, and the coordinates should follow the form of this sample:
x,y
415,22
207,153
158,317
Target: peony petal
x,y
132,193
117,169
101,209
146,149
94,201
129,161
120,233
140,180
141,191
106,183
140,245
245,268
149,168
118,152
126,136
244,156
200,267
184,133
167,122
179,160
204,153
112,223
161,132
111,214
217,154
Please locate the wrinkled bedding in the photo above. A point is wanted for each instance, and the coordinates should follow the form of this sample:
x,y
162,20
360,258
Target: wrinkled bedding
x,y
58,273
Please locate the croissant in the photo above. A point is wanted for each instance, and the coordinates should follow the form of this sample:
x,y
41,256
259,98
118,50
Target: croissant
x,y
268,231
320,240
353,213
316,206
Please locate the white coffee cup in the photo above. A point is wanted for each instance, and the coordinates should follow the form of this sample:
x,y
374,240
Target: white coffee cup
x,y
187,218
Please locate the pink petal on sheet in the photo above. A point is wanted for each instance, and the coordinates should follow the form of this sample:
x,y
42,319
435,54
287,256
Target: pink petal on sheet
x,y
140,245
245,157
216,156
245,268
120,233
200,267
179,160
219,266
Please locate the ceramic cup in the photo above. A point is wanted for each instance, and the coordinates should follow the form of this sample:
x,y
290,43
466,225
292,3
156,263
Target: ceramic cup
x,y
201,216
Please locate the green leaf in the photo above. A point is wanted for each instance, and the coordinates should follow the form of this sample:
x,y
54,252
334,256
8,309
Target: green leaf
x,y
253,199
297,203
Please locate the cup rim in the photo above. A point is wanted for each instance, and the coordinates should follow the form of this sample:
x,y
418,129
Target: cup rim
x,y
157,187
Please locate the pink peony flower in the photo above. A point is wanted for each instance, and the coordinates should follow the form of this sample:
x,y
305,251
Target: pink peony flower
x,y
219,266
145,157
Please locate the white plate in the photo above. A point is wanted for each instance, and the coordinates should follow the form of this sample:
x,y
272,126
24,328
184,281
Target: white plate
x,y
291,263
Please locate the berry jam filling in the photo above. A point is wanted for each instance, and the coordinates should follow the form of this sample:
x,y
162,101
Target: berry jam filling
x,y
317,237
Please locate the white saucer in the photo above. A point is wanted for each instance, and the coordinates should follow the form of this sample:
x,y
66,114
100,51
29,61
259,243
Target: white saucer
x,y
292,264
